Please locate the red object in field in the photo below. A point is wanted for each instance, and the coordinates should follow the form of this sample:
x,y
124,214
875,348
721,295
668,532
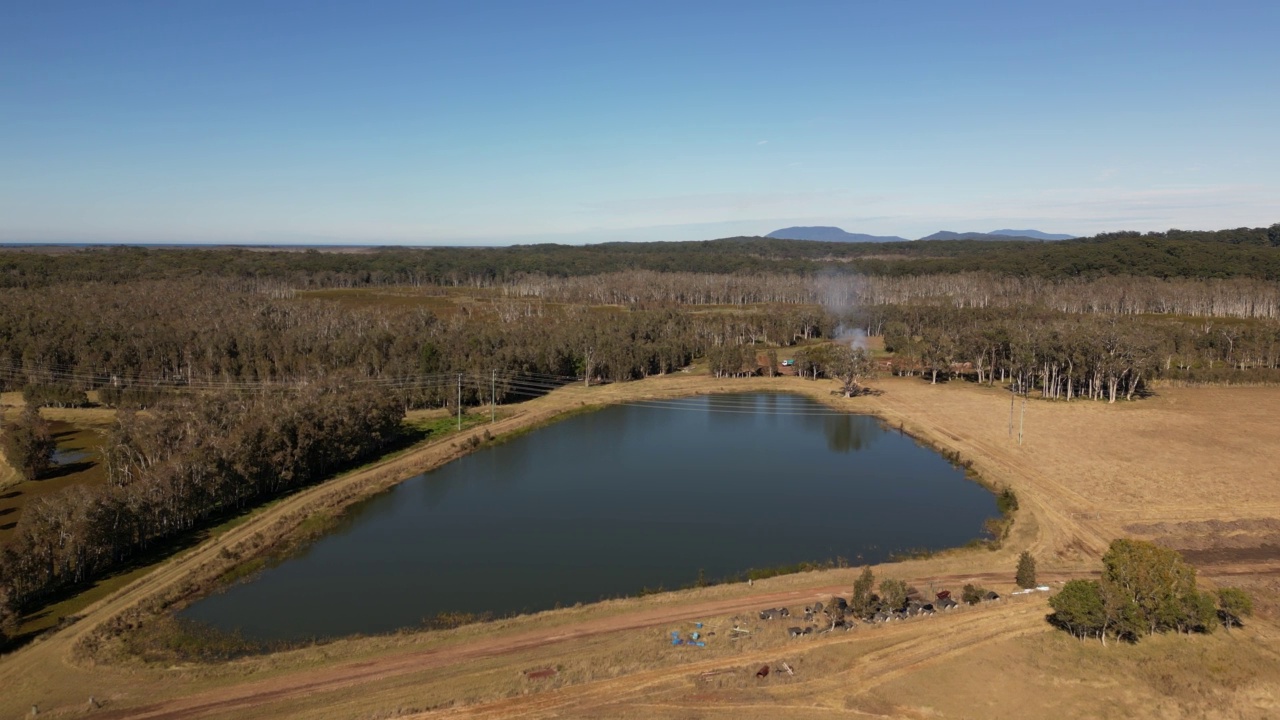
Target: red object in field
x,y
763,672
944,594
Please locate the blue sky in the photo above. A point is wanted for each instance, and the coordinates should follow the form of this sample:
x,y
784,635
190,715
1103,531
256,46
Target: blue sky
x,y
493,122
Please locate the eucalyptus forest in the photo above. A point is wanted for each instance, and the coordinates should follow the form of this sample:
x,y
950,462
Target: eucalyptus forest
x,y
242,375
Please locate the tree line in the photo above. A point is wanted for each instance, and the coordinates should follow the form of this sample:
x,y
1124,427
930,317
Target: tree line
x,y
181,466
1240,252
1065,356
1235,297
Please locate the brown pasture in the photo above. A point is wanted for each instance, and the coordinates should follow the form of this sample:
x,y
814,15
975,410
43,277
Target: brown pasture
x,y
1195,468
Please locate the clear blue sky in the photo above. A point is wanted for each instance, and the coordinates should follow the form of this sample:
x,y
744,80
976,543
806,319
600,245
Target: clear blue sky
x,y
494,122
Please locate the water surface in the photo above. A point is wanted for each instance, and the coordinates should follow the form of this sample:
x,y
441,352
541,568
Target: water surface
x,y
607,503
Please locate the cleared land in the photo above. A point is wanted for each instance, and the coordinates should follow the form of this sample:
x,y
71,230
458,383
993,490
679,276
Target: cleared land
x,y
1192,467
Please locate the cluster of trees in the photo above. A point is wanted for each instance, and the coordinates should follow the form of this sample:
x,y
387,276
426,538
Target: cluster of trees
x,y
28,443
843,361
1145,589
894,595
54,395
184,464
733,360
1073,356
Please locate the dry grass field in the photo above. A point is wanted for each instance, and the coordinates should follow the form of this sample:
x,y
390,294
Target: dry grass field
x,y
1194,468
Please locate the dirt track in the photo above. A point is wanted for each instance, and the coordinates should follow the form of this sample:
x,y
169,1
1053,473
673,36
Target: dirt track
x,y
350,674
1068,516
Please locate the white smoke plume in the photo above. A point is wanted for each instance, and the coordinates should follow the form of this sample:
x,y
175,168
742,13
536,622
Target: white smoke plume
x,y
840,295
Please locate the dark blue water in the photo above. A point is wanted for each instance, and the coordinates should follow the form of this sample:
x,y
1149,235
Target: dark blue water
x,y
608,503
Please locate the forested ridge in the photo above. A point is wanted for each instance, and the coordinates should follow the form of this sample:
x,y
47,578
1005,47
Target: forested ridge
x,y
1243,252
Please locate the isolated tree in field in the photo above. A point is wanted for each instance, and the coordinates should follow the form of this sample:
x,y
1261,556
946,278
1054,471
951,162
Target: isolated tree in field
x,y
772,367
1149,588
860,603
1144,589
850,365
1026,576
1078,608
29,443
893,593
1234,604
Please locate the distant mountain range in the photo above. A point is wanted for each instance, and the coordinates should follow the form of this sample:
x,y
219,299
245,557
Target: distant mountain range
x,y
824,233
1036,234
829,234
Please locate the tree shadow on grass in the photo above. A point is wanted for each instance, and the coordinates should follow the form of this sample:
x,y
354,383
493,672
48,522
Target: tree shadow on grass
x,y
58,471
47,604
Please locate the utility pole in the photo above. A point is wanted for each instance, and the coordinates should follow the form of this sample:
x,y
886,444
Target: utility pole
x,y
459,401
493,396
1022,420
1012,394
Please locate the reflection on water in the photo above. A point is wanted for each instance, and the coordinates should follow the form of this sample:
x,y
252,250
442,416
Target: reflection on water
x,y
69,456
845,435
608,503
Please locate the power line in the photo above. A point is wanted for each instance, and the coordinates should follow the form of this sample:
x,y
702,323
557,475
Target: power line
x,y
510,381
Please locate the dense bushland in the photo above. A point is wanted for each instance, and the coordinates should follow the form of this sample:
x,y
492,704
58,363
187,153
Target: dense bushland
x,y
211,334
215,334
188,462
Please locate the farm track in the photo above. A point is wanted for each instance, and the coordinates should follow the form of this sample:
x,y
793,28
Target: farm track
x,y
916,641
1066,523
343,676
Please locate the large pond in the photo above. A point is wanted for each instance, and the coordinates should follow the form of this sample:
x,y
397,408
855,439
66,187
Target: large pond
x,y
612,502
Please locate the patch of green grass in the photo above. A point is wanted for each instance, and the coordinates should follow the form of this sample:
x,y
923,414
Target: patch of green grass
x,y
246,569
55,614
435,428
